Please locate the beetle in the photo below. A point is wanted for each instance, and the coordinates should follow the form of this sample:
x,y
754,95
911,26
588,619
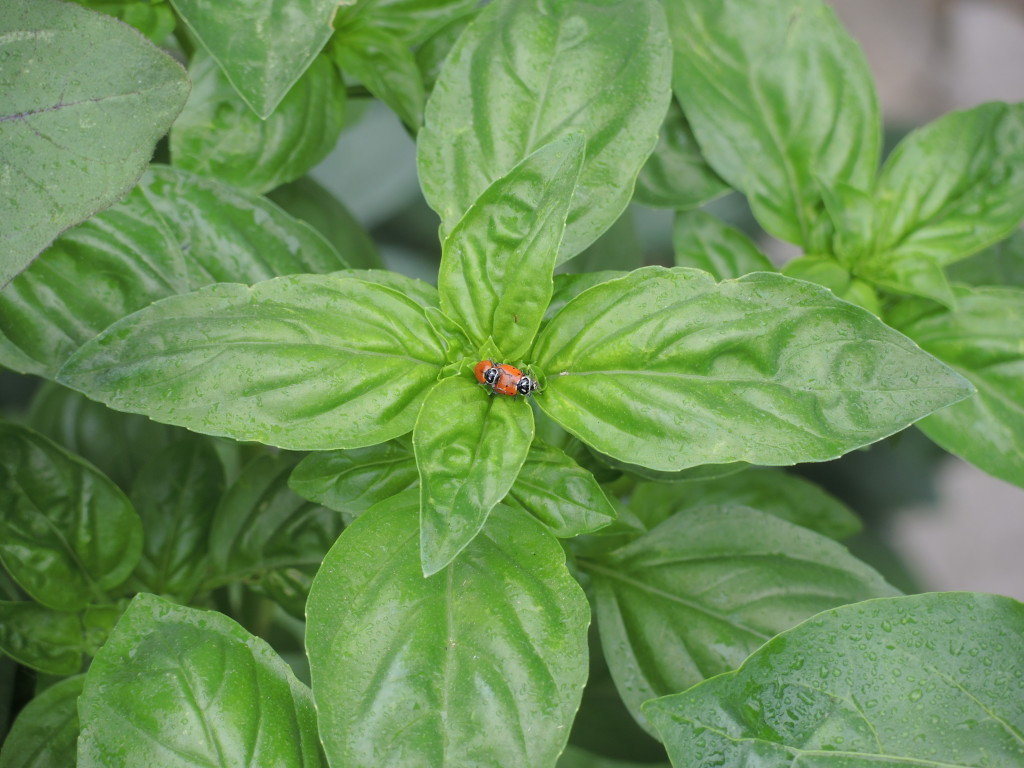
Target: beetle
x,y
504,379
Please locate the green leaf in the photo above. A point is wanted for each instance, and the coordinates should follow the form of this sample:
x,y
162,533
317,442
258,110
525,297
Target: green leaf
x,y
954,186
568,287
668,369
676,175
432,53
385,65
412,21
419,291
263,48
266,535
574,757
308,362
53,641
911,273
527,73
67,534
153,18
174,233
926,680
981,339
617,248
307,201
350,482
782,103
174,495
496,265
45,735
827,271
560,493
778,493
68,75
218,135
698,593
497,641
176,686
1002,264
117,444
700,240
469,447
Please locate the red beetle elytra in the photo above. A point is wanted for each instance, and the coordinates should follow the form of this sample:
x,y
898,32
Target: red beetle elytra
x,y
504,379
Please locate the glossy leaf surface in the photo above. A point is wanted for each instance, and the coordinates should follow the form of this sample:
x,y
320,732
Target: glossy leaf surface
x,y
67,75
153,19
41,638
305,362
469,447
776,492
926,680
45,734
482,663
704,242
496,265
265,535
527,73
668,369
174,233
213,695
67,534
698,593
351,482
218,135
781,101
263,48
560,493
980,339
412,21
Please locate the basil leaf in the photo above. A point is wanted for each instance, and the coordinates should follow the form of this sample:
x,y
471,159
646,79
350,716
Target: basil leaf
x,y
496,265
861,685
469,447
264,534
41,638
498,640
177,686
676,175
980,339
351,482
304,362
153,18
782,103
668,369
412,21
663,629
702,241
544,71
174,233
67,534
1002,264
68,75
263,50
788,497
218,135
46,731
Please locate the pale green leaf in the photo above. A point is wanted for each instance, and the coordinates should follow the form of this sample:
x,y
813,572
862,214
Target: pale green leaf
x,y
702,241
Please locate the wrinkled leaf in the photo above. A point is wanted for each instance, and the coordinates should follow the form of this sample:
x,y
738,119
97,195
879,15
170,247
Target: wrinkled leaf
x,y
350,482
702,241
412,21
469,447
676,175
45,735
67,75
981,339
782,103
698,593
42,638
925,680
263,48
266,535
218,135
668,369
308,362
778,493
177,686
481,664
174,233
175,495
496,265
527,73
67,534
560,493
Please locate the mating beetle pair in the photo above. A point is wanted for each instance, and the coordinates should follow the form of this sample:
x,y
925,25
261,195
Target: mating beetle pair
x,y
504,379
